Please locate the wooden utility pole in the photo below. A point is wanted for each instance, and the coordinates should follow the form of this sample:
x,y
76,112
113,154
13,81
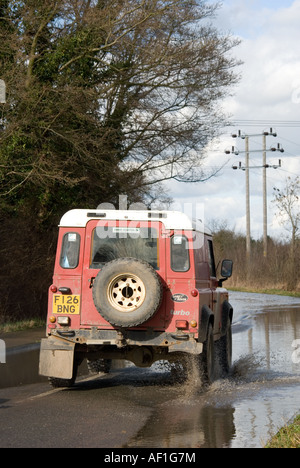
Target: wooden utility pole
x,y
265,196
247,168
265,203
248,217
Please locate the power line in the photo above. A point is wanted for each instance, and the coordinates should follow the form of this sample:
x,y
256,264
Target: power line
x,y
259,123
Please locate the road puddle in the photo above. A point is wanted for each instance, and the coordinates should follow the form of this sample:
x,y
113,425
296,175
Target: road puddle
x,y
21,367
260,395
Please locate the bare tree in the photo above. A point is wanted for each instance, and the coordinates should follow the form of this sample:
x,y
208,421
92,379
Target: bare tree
x,y
287,201
108,97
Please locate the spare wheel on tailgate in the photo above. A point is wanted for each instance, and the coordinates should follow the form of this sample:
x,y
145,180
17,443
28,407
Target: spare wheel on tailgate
x,y
127,292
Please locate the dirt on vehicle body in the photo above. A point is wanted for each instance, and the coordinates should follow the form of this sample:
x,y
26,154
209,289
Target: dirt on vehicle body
x,y
134,285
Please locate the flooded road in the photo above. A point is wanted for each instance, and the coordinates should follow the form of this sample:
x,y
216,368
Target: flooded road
x,y
150,408
261,394
266,334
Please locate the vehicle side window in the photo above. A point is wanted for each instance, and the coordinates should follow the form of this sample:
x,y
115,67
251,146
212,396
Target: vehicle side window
x,y
212,265
180,255
69,257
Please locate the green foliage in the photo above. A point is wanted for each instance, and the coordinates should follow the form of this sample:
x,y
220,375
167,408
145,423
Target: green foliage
x,y
98,100
288,437
95,90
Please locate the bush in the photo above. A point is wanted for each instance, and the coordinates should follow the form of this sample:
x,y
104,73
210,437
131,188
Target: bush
x,y
27,257
271,272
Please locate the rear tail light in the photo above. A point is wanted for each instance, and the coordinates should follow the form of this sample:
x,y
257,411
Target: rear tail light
x,y
181,324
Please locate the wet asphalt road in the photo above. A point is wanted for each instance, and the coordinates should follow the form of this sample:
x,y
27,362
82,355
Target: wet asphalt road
x,y
134,407
86,416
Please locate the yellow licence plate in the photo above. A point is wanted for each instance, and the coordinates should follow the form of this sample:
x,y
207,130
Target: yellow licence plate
x,y
66,304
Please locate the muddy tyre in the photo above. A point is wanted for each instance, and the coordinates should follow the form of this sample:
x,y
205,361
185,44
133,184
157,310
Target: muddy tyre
x,y
99,366
207,358
127,292
61,383
224,351
56,382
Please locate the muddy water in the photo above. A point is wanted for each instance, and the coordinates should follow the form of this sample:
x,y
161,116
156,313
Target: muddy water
x,y
261,394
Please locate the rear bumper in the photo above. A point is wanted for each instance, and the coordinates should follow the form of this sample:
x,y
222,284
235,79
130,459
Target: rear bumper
x,y
174,342
60,351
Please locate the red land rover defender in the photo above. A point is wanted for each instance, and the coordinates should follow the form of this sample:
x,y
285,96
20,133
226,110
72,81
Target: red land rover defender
x,y
134,285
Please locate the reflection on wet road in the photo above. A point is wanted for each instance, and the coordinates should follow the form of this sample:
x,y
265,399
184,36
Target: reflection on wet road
x,y
261,394
267,326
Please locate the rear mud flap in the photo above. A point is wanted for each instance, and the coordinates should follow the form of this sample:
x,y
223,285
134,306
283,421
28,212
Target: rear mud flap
x,y
56,358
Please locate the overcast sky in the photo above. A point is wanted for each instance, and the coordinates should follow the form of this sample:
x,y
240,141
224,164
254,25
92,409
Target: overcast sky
x,y
268,95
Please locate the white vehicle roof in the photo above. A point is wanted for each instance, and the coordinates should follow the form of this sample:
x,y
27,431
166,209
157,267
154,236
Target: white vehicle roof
x,y
173,220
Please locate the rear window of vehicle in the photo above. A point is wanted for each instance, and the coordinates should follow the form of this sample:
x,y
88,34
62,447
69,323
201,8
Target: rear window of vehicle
x,y
180,256
110,243
69,257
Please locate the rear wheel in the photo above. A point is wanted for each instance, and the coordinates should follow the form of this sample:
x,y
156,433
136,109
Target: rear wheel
x,y
64,383
207,358
99,366
224,351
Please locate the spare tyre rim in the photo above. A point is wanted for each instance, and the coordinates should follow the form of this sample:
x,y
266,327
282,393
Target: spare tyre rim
x,y
126,292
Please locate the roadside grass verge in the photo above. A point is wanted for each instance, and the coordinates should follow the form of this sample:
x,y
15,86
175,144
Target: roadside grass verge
x,y
28,324
287,437
279,292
